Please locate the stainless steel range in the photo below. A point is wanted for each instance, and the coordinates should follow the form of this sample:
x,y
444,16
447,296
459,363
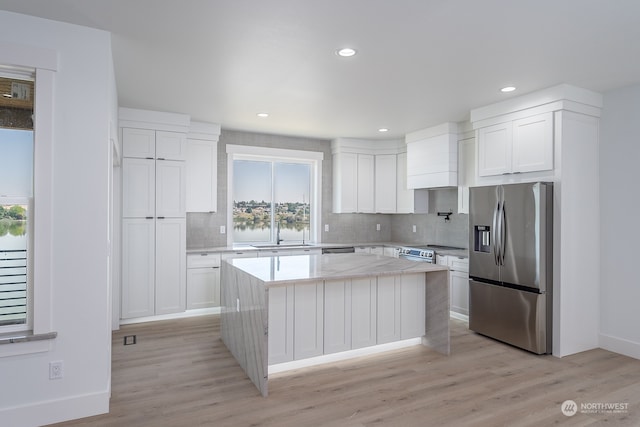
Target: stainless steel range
x,y
426,253
420,253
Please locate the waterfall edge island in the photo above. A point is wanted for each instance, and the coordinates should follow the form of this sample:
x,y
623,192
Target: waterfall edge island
x,y
280,310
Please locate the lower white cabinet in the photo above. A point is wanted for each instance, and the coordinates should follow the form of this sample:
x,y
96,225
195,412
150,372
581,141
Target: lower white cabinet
x,y
459,282
308,316
280,324
312,319
203,280
287,252
171,263
337,316
153,266
363,312
388,309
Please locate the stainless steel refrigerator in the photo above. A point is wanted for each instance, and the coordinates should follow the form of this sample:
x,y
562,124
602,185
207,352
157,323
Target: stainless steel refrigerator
x,y
510,264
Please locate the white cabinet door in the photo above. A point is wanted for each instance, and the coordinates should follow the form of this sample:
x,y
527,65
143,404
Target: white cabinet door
x,y
280,324
171,265
170,189
533,143
363,312
337,316
412,305
404,196
377,250
362,249
202,176
366,183
460,292
138,189
391,251
385,183
345,182
289,252
308,320
203,287
139,143
466,172
138,267
494,149
171,146
388,309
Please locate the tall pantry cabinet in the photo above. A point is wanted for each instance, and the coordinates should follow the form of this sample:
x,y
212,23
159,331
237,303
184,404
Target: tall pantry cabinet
x,y
153,213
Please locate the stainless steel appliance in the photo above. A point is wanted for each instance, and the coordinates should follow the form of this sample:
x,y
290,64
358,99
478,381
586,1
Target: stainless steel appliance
x,y
510,263
422,254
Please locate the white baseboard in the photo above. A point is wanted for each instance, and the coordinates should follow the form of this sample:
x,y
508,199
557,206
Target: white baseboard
x,y
620,345
55,411
181,315
459,316
344,355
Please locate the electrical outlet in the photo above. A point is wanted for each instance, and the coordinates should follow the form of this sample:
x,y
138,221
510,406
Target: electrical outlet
x,y
326,228
377,227
223,229
56,370
414,228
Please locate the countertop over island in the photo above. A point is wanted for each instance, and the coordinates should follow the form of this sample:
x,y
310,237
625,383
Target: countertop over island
x,y
303,268
284,310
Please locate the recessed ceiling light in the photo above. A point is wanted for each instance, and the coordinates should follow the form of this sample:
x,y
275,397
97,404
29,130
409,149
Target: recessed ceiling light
x,y
383,130
262,115
508,89
346,52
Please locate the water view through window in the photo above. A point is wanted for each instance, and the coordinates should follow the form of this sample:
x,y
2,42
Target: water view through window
x,y
271,201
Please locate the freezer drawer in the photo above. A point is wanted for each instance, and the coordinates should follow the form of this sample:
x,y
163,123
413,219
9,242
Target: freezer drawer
x,y
519,318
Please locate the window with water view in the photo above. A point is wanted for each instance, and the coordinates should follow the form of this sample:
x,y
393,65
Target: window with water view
x,y
16,191
271,201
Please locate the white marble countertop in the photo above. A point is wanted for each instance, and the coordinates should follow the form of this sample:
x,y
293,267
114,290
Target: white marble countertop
x,y
279,270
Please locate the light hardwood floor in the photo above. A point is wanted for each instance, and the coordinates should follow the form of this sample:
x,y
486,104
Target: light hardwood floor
x,y
180,374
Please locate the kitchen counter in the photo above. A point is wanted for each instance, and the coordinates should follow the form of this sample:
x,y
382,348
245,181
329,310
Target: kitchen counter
x,y
310,309
304,268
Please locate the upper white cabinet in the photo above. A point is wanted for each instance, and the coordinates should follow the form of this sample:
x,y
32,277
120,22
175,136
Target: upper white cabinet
x,y
409,200
385,183
202,167
170,188
365,175
140,143
171,146
466,168
516,146
432,157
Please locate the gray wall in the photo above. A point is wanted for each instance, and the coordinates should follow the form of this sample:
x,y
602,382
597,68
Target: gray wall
x,y
203,229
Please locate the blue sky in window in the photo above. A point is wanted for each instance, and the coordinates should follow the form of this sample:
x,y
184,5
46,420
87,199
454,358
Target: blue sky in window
x,y
16,162
252,181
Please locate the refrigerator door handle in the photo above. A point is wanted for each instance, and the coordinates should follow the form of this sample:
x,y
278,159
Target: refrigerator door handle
x,y
496,235
503,233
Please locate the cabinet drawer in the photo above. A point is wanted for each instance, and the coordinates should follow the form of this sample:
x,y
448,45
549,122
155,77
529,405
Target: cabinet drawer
x,y
458,263
204,259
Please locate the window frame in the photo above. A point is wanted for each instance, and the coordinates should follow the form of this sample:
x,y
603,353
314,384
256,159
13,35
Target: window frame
x,y
43,63
312,158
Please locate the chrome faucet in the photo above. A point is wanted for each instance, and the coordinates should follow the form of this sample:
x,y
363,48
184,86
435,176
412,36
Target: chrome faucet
x,y
278,239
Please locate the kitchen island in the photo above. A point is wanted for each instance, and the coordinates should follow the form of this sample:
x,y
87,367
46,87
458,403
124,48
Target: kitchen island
x,y
285,309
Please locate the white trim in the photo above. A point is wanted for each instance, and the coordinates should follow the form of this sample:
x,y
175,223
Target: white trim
x,y
28,57
204,131
459,316
181,315
283,153
620,345
155,120
344,355
57,410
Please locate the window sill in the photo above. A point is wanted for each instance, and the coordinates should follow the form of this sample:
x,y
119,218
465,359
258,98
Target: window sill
x,y
27,343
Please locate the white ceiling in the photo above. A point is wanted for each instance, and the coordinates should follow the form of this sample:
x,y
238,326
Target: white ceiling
x,y
420,62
